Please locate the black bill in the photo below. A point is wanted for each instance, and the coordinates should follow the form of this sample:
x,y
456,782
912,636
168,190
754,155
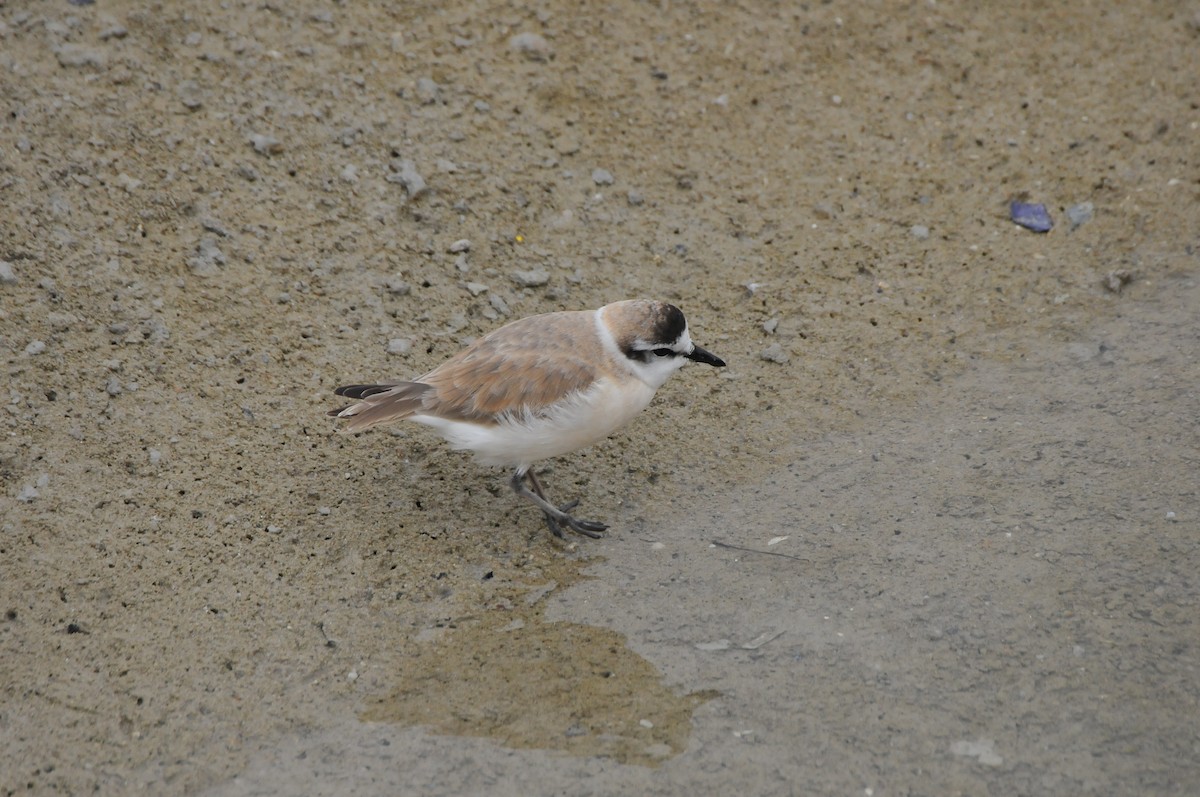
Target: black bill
x,y
704,356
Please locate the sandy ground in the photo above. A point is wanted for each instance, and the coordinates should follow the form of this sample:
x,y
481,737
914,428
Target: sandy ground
x,y
933,531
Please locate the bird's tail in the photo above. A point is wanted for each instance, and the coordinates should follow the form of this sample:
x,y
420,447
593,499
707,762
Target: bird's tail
x,y
376,404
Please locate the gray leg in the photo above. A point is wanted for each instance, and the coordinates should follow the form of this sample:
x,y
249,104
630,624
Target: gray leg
x,y
555,515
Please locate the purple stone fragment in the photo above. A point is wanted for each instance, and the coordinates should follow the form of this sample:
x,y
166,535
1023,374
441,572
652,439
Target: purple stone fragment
x,y
1031,216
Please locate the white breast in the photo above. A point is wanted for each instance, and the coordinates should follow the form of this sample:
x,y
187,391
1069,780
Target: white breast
x,y
519,440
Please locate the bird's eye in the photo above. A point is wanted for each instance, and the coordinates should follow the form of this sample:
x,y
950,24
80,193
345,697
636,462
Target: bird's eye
x,y
664,352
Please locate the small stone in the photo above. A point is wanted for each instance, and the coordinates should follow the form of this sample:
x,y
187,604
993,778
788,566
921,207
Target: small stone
x,y
405,172
1031,216
1080,214
399,346
775,354
602,177
76,56
532,46
208,258
770,325
428,91
212,225
397,286
635,198
476,288
61,322
154,455
266,145
533,278
130,184
27,494
7,275
35,348
113,388
919,231
117,31
499,305
482,106
983,751
1116,280
824,211
349,173
461,245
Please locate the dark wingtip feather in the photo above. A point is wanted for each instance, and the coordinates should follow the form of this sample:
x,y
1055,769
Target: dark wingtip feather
x,y
361,391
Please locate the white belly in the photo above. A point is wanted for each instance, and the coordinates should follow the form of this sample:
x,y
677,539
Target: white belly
x,y
520,440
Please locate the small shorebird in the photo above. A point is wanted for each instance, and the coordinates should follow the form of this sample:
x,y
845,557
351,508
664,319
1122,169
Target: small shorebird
x,y
540,387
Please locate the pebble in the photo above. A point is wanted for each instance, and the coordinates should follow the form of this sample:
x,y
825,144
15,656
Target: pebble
x,y
349,173
476,288
397,286
405,172
399,346
1080,214
266,145
1031,216
212,225
499,305
113,388
27,494
428,91
35,348
7,275
635,198
770,325
919,231
775,354
983,750
154,455
75,56
130,184
531,45
602,177
461,245
208,258
533,278
824,211
1116,280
